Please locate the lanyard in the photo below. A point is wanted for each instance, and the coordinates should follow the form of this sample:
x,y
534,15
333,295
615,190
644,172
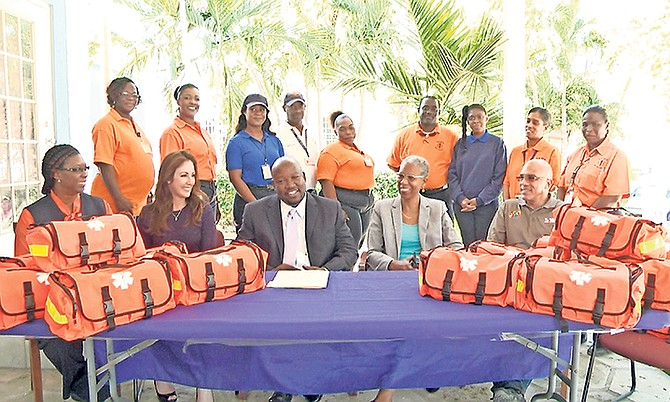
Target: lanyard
x,y
302,144
264,145
583,160
531,157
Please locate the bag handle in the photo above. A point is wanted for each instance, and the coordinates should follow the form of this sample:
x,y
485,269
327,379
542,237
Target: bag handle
x,y
12,260
29,298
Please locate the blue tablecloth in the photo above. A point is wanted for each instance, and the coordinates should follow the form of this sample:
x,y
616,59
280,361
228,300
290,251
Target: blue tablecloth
x,y
366,330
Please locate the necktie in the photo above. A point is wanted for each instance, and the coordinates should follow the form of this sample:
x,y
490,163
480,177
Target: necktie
x,y
291,238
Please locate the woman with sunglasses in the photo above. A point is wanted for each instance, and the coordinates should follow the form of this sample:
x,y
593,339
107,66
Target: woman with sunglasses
x,y
65,173
403,226
122,152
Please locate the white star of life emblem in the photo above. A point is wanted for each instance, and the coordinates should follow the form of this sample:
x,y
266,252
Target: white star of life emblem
x,y
43,277
580,278
95,224
122,280
600,220
223,259
468,265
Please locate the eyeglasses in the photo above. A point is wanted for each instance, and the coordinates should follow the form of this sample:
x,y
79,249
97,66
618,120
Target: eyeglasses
x,y
409,177
529,177
133,95
78,169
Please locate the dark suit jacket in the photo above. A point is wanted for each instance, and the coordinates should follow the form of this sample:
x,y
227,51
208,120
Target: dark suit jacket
x,y
329,241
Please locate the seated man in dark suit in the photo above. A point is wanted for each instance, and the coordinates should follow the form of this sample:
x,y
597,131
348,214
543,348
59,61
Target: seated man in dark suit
x,y
298,230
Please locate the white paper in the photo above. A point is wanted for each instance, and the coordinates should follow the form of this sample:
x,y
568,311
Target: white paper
x,y
307,279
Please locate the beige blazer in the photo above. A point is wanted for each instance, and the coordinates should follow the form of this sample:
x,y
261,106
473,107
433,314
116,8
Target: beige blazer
x,y
435,229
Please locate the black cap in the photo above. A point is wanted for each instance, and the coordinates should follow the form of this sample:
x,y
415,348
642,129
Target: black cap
x,y
293,97
255,99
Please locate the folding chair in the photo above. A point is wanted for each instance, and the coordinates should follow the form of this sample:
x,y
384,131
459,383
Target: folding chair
x,y
636,346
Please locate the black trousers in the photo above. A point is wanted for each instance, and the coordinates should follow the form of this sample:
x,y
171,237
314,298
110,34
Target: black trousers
x,y
68,358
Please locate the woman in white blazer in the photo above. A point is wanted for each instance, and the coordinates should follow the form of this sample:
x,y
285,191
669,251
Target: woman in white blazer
x,y
403,226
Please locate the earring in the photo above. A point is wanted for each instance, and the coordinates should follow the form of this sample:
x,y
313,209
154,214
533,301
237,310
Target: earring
x,y
58,180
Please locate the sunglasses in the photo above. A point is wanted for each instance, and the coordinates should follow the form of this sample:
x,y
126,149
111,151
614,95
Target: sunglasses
x,y
529,177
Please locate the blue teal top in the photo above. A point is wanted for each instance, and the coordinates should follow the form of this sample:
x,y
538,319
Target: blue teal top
x,y
248,154
409,241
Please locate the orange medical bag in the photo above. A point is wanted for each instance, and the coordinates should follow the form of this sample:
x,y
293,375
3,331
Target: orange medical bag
x,y
23,291
464,277
61,245
216,274
606,235
89,300
598,290
657,284
483,247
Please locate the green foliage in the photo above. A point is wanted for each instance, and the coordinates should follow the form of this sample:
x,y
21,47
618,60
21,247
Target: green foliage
x,y
225,196
554,81
386,185
427,48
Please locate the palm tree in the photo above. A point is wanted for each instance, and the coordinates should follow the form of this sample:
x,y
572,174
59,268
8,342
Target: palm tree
x,y
431,51
240,45
554,41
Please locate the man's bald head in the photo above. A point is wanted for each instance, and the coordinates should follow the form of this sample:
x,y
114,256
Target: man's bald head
x,y
535,181
539,167
286,160
288,180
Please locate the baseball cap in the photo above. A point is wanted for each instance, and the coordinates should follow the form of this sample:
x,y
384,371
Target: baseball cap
x,y
255,99
293,97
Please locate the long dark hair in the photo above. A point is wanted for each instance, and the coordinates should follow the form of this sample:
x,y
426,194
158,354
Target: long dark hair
x,y
161,208
53,160
242,120
464,121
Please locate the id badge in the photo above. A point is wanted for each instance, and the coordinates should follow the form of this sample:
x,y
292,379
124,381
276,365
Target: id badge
x,y
368,161
267,173
568,198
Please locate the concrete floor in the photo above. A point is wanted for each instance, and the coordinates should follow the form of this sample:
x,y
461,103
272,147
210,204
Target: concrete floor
x,y
611,378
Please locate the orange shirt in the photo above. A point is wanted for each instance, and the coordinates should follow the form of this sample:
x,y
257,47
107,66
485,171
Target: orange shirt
x,y
346,167
522,154
26,219
181,135
116,142
590,174
437,148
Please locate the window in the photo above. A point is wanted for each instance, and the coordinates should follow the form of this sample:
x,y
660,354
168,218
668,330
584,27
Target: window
x,y
19,160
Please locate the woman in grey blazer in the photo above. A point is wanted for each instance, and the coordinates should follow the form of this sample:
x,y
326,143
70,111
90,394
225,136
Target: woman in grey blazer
x,y
405,225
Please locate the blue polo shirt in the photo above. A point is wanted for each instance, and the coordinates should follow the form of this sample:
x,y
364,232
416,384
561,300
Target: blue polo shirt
x,y
248,154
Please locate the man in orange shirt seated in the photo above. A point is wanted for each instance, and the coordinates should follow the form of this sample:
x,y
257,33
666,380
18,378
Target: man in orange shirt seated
x,y
535,147
596,175
433,142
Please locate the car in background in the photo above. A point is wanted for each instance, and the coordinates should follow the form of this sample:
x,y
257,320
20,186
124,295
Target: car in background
x,y
651,202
